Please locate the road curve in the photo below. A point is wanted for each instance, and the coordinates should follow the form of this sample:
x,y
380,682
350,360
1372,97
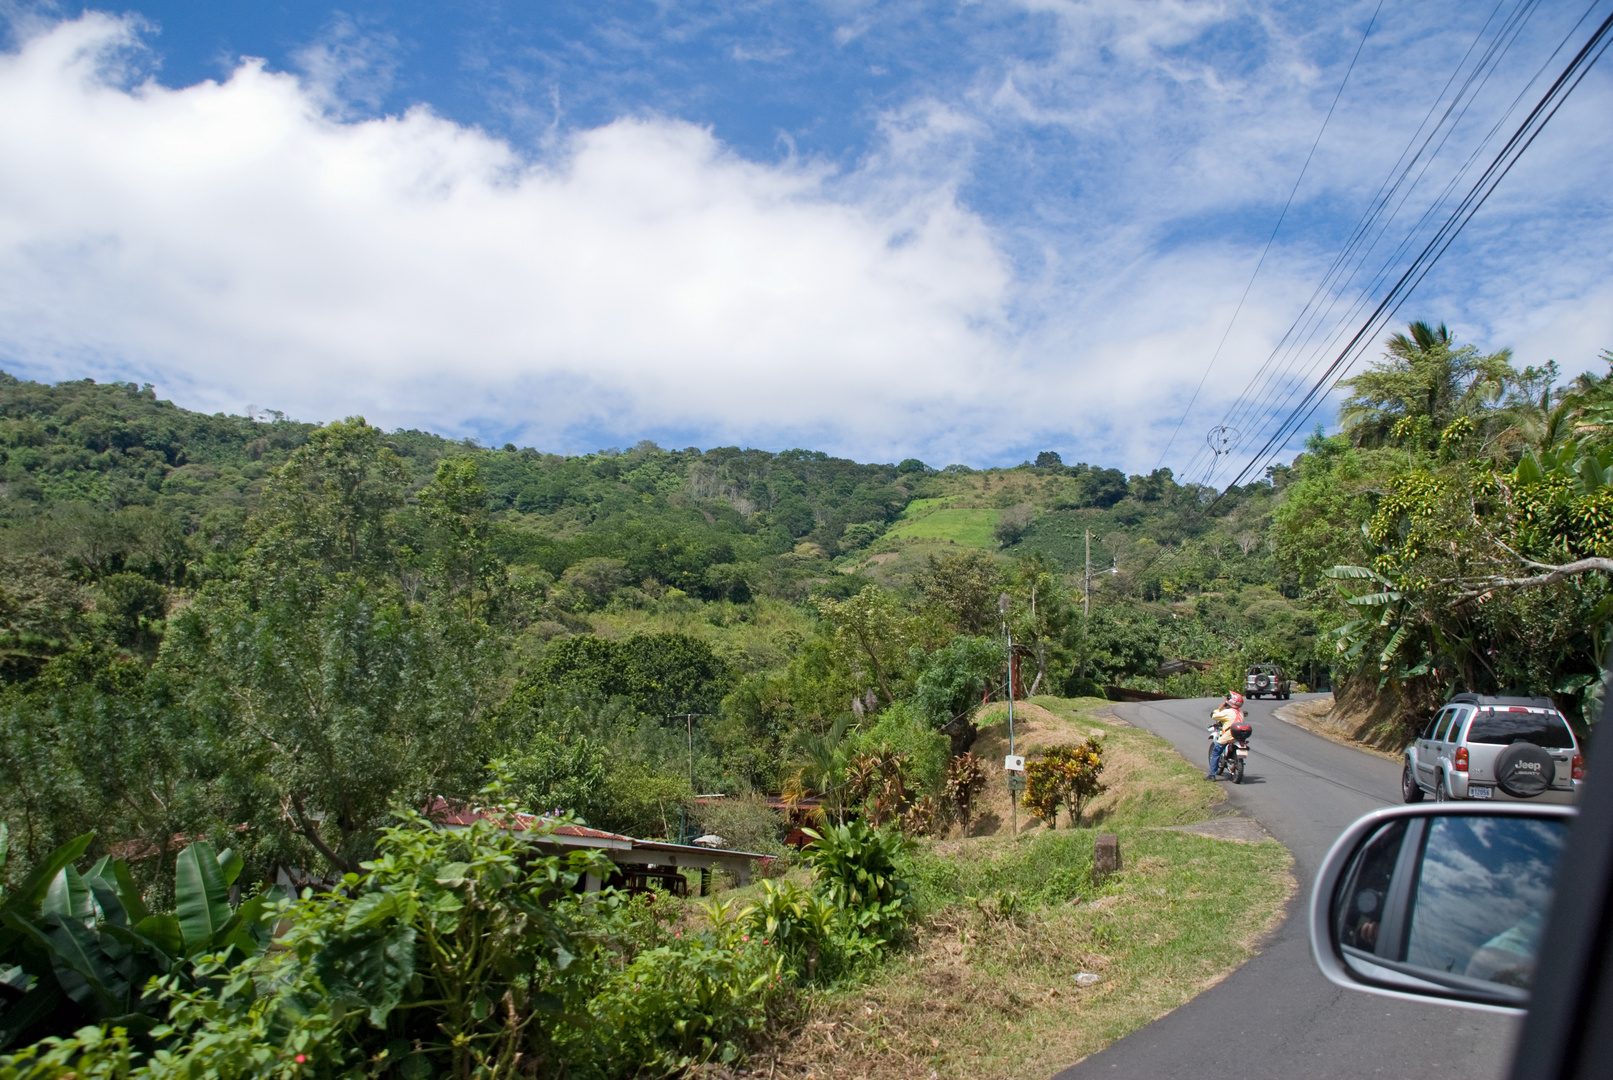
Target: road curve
x,y
1276,1016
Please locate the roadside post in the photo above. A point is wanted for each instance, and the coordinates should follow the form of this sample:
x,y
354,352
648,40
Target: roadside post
x,y
683,817
1014,767
1014,776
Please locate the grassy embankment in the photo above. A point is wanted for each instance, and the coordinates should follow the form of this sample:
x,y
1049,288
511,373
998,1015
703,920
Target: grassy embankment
x,y
988,986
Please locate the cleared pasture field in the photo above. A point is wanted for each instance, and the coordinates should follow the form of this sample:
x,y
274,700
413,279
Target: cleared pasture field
x,y
972,528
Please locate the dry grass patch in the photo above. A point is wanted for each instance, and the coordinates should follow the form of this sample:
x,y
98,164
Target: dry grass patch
x,y
1148,782
989,989
988,986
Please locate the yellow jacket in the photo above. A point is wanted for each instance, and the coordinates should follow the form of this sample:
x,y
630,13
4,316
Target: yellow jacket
x,y
1226,718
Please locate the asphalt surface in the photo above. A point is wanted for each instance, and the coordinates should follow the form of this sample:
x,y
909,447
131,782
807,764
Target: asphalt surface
x,y
1276,1016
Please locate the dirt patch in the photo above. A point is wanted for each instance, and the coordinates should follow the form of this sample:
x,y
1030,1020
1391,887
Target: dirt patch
x,y
1232,827
1321,716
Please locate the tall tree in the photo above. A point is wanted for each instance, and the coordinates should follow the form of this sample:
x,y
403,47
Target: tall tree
x,y
1423,384
964,588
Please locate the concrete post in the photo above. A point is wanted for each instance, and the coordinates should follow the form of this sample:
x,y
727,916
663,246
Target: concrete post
x,y
1105,855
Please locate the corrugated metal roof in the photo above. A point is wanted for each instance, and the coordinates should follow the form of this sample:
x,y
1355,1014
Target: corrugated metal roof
x,y
446,813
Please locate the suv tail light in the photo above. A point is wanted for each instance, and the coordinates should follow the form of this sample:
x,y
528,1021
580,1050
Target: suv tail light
x,y
1579,767
1461,759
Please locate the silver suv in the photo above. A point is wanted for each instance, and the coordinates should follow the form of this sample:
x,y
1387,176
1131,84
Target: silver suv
x,y
1499,748
1267,680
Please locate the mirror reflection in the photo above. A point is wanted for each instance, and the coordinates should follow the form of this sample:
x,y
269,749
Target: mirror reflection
x,y
1454,902
1482,896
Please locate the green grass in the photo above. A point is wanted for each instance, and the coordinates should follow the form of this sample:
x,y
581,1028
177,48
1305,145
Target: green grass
x,y
971,528
987,988
917,508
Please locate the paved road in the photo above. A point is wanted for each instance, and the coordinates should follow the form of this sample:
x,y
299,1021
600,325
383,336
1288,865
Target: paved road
x,y
1276,1016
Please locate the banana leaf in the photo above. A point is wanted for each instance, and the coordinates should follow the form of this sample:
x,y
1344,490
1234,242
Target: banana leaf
x,y
76,960
201,897
1359,572
69,897
164,932
41,1004
229,865
129,892
26,897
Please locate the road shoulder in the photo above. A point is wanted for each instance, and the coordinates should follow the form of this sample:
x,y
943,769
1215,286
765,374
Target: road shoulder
x,y
1315,715
992,984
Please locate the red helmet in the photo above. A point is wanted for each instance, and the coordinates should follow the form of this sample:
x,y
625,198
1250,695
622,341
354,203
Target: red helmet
x,y
1236,698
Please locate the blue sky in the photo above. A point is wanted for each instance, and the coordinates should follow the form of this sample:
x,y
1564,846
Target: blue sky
x,y
958,231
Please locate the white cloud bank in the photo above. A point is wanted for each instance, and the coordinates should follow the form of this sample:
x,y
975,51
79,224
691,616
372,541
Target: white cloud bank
x,y
237,244
248,241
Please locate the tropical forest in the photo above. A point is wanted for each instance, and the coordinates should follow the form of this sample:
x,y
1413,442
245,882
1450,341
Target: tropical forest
x,y
245,661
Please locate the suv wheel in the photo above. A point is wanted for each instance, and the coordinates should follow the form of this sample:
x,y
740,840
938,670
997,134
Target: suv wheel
x,y
1439,788
1410,790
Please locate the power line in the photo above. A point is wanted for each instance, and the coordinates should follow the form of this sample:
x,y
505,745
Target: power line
x,y
1274,229
1499,167
1457,108
1262,385
1520,141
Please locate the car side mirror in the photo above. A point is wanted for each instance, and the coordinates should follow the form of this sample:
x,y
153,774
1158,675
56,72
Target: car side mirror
x,y
1442,903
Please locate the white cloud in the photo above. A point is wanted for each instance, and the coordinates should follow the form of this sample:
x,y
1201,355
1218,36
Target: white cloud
x,y
236,237
1040,252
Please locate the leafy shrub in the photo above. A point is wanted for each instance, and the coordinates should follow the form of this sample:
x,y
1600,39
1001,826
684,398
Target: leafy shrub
x,y
1064,776
688,1003
955,676
901,728
817,941
857,869
83,947
463,953
966,778
746,823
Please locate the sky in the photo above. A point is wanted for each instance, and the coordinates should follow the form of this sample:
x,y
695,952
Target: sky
x,y
962,231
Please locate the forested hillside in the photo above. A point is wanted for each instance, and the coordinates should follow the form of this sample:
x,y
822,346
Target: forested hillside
x,y
212,621
260,628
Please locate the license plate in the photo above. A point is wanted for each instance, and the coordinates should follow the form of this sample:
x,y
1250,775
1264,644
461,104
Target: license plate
x,y
1478,792
1241,753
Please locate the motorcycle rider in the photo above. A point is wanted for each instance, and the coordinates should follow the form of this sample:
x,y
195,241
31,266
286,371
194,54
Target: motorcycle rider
x,y
1228,714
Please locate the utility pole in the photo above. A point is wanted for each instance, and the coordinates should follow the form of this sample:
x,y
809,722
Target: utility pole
x,y
1013,801
1086,596
683,820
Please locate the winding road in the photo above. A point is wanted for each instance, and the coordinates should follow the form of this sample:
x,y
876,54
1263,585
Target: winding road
x,y
1276,1016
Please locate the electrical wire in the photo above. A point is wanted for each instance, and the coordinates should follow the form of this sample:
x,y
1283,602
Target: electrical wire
x,y
1263,404
1274,229
1499,167
1520,141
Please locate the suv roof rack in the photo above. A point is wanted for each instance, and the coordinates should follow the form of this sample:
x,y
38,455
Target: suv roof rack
x,y
1491,699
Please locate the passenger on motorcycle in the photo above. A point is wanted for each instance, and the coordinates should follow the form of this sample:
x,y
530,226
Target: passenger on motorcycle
x,y
1228,714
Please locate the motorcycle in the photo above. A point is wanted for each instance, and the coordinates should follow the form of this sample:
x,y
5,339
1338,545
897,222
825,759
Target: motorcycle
x,y
1235,753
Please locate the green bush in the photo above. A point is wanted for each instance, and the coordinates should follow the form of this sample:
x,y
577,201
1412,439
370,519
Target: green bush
x,y
857,869
746,823
458,952
904,729
83,947
696,1000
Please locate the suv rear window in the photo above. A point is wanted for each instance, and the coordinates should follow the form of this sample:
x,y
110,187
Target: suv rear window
x,y
1542,729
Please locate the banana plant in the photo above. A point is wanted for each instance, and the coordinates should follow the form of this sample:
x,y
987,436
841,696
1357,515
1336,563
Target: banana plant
x,y
82,947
